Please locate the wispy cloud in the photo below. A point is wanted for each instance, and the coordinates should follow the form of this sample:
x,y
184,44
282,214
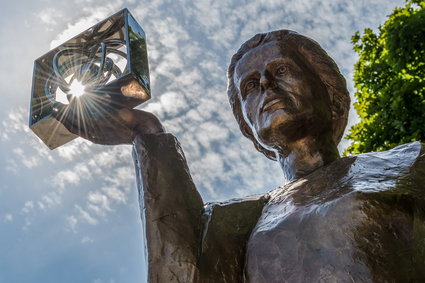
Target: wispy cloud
x,y
70,150
98,203
90,17
72,223
87,240
11,166
28,207
49,16
15,123
86,216
49,200
63,178
8,217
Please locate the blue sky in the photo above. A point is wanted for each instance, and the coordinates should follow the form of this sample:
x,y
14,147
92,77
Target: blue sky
x,y
71,215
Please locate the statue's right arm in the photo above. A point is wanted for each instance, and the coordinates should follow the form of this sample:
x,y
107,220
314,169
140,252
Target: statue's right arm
x,y
170,206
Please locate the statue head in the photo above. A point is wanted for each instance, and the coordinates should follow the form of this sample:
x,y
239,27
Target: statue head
x,y
283,86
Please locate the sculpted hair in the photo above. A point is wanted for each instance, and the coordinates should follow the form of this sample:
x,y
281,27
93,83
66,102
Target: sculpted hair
x,y
319,63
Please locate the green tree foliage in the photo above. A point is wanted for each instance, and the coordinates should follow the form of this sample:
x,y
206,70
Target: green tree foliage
x,y
390,81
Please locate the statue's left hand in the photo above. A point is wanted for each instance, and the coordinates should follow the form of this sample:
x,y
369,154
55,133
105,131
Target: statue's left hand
x,y
110,127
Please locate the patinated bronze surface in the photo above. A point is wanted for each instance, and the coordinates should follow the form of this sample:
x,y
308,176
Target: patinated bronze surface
x,y
290,99
352,219
358,219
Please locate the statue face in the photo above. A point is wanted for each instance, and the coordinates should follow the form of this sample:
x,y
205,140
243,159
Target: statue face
x,y
282,100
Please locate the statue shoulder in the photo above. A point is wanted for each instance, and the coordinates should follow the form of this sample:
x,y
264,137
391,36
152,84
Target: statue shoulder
x,y
401,169
402,156
234,216
227,227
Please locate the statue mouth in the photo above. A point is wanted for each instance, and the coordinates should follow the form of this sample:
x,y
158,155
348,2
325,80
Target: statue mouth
x,y
273,103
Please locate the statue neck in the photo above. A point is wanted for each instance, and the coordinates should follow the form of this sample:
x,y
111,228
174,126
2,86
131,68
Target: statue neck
x,y
306,155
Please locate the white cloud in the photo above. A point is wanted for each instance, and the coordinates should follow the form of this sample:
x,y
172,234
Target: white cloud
x,y
27,147
12,166
86,240
99,202
49,16
72,223
70,150
86,216
92,17
8,217
121,176
110,168
66,177
49,200
27,160
172,103
15,122
28,206
115,194
27,224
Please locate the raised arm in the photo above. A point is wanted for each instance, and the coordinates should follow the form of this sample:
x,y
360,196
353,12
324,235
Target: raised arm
x,y
171,208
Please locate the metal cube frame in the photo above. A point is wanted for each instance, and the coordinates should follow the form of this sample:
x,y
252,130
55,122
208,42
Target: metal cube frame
x,y
109,59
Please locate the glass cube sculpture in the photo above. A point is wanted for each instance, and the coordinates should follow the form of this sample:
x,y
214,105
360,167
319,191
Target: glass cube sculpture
x,y
108,62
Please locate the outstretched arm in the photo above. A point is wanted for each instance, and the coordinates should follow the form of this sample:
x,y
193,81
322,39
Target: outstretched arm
x,y
171,207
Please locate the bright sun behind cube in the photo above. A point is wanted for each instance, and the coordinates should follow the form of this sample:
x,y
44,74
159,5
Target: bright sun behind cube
x,y
103,69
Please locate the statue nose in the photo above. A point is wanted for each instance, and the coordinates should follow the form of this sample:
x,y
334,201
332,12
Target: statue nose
x,y
266,82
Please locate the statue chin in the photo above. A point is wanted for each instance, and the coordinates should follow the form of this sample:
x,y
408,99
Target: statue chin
x,y
281,129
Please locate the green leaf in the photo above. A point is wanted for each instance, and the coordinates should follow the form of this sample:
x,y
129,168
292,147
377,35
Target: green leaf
x,y
390,81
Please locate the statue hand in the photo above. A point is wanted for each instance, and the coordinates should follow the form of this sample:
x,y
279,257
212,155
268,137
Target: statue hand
x,y
108,128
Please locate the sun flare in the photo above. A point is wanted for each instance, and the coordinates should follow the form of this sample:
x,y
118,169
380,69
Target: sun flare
x,y
77,89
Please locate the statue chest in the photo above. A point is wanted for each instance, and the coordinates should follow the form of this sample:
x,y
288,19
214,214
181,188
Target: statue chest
x,y
359,219
348,238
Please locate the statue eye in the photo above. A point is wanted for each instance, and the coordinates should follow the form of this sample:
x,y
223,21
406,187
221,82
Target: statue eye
x,y
249,86
282,69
